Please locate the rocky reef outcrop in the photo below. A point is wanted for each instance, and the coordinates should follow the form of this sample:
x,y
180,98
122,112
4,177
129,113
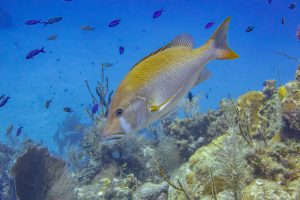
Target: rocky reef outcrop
x,y
7,187
256,158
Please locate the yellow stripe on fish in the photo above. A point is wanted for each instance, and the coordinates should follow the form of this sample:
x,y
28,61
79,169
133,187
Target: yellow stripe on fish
x,y
156,84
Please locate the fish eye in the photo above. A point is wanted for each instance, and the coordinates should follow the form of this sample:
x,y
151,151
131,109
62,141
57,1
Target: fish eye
x,y
119,112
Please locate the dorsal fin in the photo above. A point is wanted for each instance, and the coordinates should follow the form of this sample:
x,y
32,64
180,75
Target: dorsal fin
x,y
184,40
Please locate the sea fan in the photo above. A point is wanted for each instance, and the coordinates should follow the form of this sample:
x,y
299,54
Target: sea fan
x,y
38,176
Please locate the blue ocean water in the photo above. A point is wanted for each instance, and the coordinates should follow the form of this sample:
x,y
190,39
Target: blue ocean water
x,y
75,56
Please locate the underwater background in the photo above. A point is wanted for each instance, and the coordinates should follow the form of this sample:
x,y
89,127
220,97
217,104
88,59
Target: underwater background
x,y
49,95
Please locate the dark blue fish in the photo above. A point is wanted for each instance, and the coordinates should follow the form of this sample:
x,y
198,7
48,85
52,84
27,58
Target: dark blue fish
x,y
269,1
4,101
190,96
32,22
206,95
1,97
68,109
209,25
95,108
114,22
158,13
48,102
249,29
121,50
34,52
53,20
19,131
292,6
282,20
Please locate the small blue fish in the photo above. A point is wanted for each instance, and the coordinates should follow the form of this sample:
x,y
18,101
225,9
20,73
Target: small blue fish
x,y
95,108
121,50
52,20
34,52
19,131
249,29
114,22
270,1
48,102
190,96
158,13
206,95
209,25
68,109
4,101
33,22
292,6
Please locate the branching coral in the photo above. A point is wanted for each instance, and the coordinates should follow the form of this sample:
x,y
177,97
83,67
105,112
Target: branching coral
x,y
104,96
191,106
230,164
38,175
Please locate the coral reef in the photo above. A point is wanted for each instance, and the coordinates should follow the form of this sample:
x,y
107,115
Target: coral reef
x,y
231,167
193,132
269,88
7,188
38,175
247,149
150,191
264,189
109,188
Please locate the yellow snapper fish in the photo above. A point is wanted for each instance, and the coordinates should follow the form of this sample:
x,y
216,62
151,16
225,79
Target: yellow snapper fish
x,y
157,84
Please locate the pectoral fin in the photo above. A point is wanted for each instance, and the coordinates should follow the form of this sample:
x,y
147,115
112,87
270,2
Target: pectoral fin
x,y
154,108
204,75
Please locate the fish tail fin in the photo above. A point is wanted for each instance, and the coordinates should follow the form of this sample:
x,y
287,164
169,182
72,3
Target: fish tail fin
x,y
42,50
219,42
45,23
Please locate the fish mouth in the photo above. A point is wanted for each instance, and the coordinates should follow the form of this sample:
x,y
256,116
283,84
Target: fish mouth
x,y
112,138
